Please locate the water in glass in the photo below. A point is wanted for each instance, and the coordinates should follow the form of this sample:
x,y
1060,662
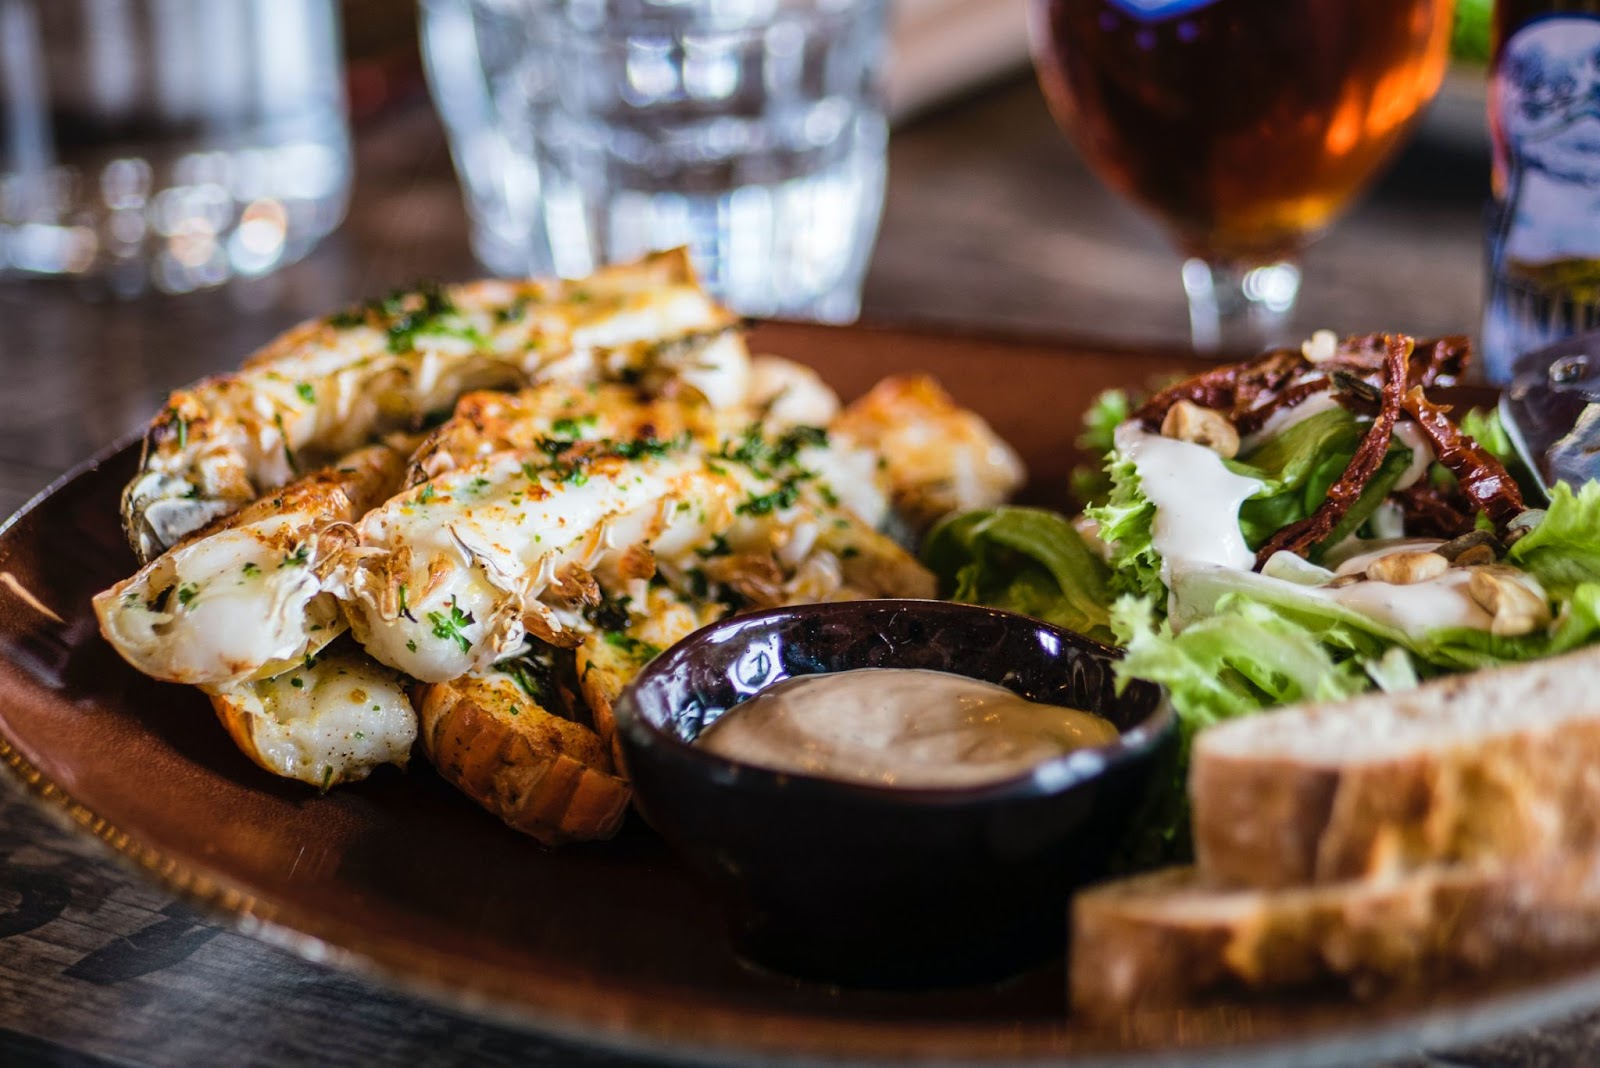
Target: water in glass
x,y
169,142
591,131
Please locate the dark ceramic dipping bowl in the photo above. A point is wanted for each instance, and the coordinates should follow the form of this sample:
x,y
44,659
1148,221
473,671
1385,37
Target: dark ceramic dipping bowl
x,y
874,885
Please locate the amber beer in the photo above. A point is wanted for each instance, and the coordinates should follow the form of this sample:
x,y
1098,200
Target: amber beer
x,y
1245,124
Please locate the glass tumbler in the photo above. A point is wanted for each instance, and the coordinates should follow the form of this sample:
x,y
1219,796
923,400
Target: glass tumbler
x,y
588,132
177,143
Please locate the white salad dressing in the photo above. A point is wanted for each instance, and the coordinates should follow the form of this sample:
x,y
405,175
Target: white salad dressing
x,y
1438,603
1412,437
1284,418
1197,500
1196,527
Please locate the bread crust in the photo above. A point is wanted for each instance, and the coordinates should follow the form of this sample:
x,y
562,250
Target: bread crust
x,y
1170,939
1516,790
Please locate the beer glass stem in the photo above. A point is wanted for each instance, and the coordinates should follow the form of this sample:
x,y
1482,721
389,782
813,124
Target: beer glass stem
x,y
1239,308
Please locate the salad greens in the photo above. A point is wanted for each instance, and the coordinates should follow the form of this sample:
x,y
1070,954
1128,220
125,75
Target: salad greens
x,y
1228,641
1024,560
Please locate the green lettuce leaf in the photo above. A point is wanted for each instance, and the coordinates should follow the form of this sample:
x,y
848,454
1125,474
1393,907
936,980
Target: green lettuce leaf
x,y
1242,660
1483,426
1125,522
1090,484
1563,551
1023,560
1299,465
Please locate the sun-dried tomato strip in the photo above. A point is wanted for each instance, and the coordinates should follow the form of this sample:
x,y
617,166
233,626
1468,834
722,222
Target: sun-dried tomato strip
x,y
1446,361
1484,479
1300,536
1228,389
1432,513
1250,392
1433,361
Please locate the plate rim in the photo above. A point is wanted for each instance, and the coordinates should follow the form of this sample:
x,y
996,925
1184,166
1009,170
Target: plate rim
x,y
291,929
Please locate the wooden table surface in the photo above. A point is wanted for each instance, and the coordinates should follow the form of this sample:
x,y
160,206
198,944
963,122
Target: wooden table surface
x,y
991,222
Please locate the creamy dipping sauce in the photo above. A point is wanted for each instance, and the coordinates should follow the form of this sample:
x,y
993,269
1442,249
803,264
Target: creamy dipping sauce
x,y
901,727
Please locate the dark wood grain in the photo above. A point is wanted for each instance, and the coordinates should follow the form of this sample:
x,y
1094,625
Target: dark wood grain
x,y
991,222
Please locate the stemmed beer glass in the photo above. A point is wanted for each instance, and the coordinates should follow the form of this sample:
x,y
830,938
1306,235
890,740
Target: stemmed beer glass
x,y
1246,126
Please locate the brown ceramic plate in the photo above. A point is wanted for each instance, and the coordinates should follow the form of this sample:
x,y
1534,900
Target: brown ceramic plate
x,y
402,878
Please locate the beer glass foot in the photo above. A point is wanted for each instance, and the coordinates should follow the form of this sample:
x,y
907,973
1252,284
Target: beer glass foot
x,y
1238,308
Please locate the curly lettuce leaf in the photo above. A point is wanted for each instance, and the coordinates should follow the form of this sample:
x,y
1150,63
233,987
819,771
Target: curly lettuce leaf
x,y
1126,523
1090,484
1023,560
1241,660
1244,657
1563,551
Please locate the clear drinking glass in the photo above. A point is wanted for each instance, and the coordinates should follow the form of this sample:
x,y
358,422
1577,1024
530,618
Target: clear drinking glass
x,y
592,131
1245,126
173,142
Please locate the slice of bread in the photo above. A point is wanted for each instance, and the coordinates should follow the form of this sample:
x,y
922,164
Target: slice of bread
x,y
1495,764
1170,938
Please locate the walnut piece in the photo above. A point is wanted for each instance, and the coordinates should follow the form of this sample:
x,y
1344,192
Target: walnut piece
x,y
1188,421
1515,600
1405,568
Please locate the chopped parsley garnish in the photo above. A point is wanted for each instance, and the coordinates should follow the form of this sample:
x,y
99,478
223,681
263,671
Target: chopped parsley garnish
x,y
477,485
435,315
298,558
787,493
251,569
425,494
327,777
187,593
412,645
305,391
633,648
448,627
566,428
513,312
534,676
406,315
568,458
183,428
288,453
719,547
794,439
403,610
297,682
633,450
765,458
699,585
610,614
